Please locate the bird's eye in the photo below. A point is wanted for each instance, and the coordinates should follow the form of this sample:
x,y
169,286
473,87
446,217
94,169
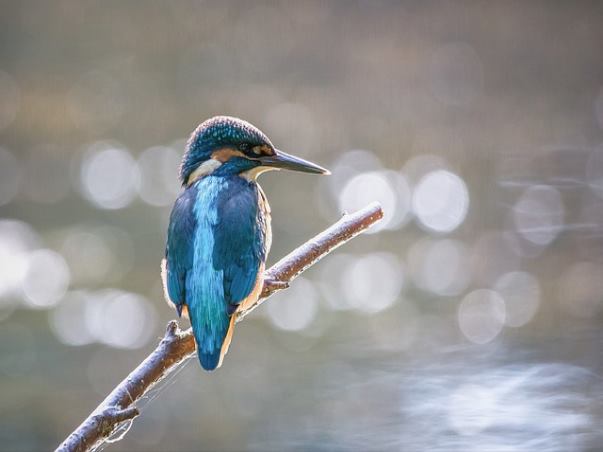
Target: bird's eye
x,y
257,150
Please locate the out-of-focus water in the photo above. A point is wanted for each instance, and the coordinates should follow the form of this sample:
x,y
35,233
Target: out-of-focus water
x,y
463,403
469,319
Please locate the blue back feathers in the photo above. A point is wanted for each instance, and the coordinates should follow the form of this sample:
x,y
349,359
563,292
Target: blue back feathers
x,y
216,245
219,131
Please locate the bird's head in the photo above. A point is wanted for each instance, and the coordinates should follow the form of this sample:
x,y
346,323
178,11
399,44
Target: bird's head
x,y
227,145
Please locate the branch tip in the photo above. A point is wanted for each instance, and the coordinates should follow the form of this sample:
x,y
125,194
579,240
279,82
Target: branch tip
x,y
119,415
172,329
272,285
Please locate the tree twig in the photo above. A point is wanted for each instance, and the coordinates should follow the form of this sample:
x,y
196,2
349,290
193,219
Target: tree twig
x,y
177,346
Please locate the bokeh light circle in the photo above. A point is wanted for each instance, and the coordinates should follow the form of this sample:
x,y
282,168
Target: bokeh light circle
x,y
440,266
481,315
296,308
389,188
539,214
67,320
16,240
89,256
129,321
109,176
46,280
441,201
120,319
350,164
521,293
373,282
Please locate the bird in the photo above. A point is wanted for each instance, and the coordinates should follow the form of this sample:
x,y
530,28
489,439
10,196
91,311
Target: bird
x,y
219,233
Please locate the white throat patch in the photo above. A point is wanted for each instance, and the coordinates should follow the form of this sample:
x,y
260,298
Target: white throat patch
x,y
207,167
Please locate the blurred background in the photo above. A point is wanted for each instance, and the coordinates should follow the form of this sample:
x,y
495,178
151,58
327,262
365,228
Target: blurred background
x,y
469,320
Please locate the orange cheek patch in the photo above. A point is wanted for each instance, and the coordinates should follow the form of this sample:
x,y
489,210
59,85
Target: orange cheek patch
x,y
225,154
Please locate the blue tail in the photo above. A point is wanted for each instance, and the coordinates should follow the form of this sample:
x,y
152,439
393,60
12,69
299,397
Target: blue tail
x,y
210,339
209,361
210,322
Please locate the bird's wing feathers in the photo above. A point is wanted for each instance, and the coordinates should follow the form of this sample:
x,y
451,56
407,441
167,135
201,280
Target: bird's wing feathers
x,y
179,250
239,249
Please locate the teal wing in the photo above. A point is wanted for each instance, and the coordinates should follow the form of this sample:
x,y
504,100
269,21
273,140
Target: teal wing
x,y
179,248
240,246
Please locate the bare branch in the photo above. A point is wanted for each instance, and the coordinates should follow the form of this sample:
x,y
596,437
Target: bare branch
x,y
177,346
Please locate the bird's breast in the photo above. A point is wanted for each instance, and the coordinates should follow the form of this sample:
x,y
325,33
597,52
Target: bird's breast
x,y
265,213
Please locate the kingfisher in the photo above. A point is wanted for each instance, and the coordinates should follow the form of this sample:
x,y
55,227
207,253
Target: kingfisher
x,y
219,233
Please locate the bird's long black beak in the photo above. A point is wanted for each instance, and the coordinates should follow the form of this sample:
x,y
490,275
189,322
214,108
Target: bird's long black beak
x,y
282,160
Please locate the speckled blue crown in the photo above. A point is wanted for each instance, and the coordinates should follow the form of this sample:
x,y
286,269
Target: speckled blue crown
x,y
217,132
